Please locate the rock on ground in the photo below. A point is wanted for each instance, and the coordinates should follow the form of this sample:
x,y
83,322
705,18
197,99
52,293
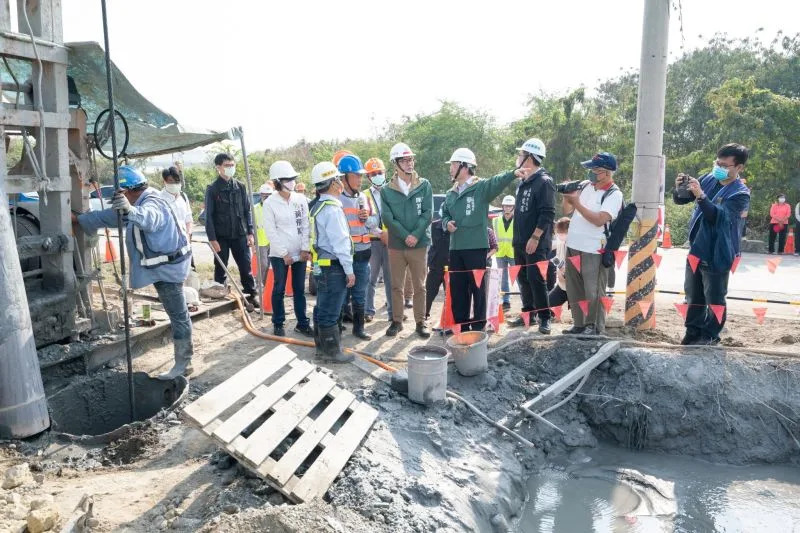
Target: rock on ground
x,y
16,476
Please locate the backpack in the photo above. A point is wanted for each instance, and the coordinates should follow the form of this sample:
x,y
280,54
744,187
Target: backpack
x,y
615,231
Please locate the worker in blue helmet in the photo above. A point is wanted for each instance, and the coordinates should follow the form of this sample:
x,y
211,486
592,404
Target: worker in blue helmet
x,y
159,252
361,221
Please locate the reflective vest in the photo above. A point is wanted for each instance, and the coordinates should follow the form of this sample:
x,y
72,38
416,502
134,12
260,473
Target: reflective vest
x,y
375,208
149,258
504,237
320,257
261,233
359,233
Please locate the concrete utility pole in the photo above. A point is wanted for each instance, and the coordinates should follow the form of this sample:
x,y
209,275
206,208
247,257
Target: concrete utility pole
x,y
648,165
23,406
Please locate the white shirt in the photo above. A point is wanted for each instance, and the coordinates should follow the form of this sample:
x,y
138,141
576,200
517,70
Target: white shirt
x,y
404,186
560,246
286,224
179,205
583,235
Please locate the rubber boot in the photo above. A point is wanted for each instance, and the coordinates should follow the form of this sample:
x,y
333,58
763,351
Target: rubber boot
x,y
331,345
358,324
317,341
183,360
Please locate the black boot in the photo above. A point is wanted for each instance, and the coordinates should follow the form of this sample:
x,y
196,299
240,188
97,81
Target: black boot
x,y
358,324
330,344
317,341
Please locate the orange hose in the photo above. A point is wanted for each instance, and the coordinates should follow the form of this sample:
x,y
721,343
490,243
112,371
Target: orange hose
x,y
297,342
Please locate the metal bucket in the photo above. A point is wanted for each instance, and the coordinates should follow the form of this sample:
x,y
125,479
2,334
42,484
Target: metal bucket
x,y
469,352
427,374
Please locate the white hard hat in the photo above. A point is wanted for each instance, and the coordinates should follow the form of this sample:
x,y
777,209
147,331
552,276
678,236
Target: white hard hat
x,y
266,189
400,150
323,172
281,170
508,200
464,155
535,147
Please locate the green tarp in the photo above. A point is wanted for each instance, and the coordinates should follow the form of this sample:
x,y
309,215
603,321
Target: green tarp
x,y
152,131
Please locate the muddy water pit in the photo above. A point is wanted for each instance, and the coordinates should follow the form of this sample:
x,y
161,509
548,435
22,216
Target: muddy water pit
x,y
96,409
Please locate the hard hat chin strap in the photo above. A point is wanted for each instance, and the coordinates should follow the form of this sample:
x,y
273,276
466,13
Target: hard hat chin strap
x,y
461,166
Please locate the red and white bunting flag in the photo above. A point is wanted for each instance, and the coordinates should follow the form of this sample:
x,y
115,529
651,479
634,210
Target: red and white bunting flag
x,y
718,311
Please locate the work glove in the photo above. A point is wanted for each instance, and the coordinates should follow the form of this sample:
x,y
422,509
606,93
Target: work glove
x,y
120,203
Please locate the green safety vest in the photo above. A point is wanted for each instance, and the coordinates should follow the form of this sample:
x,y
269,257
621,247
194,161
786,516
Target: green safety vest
x,y
504,237
261,233
315,259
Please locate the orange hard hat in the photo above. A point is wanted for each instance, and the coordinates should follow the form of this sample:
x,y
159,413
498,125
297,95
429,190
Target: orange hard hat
x,y
340,154
374,164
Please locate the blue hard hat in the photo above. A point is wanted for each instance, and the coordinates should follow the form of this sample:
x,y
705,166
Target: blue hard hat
x,y
351,164
602,160
130,178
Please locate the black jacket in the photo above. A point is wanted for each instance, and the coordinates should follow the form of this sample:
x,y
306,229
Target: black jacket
x,y
227,210
535,208
439,252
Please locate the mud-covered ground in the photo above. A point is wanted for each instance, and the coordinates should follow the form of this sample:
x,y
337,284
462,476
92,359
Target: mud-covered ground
x,y
425,469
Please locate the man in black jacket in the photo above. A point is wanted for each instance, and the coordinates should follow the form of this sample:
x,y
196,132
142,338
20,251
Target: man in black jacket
x,y
534,214
229,225
438,255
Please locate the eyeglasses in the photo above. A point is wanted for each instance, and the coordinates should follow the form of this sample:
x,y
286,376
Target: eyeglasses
x,y
228,165
405,160
720,164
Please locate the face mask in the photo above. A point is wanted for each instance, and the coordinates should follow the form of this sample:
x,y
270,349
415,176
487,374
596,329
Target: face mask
x,y
378,180
591,176
173,188
230,172
719,173
289,185
781,200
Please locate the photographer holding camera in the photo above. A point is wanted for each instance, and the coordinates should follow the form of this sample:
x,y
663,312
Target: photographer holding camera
x,y
593,208
714,231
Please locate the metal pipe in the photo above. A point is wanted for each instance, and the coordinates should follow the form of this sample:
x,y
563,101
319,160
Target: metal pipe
x,y
120,224
23,405
260,285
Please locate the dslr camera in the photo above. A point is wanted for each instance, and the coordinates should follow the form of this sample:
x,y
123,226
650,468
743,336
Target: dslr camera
x,y
570,187
682,190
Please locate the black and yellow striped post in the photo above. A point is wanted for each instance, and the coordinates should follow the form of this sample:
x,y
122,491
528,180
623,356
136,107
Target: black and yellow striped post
x,y
641,280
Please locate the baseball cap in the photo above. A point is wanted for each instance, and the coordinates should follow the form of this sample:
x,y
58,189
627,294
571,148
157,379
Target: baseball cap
x,y
602,160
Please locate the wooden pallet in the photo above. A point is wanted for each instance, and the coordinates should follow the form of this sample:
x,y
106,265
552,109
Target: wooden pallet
x,y
293,399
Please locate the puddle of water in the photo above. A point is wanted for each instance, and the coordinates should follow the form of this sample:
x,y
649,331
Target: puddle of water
x,y
621,491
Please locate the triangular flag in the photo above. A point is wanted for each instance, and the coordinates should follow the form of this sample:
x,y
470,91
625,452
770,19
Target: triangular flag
x,y
501,317
495,323
478,274
644,306
526,318
456,328
576,262
513,272
682,309
556,309
608,301
657,260
735,264
772,264
760,313
543,268
693,261
718,311
619,256
584,305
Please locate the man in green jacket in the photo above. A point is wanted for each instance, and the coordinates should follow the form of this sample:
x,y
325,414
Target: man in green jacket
x,y
465,214
406,211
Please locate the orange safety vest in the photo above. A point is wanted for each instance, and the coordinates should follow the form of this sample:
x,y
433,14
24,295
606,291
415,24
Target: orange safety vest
x,y
358,229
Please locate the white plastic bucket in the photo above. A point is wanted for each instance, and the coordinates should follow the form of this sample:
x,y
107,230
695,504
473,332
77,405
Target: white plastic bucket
x,y
427,374
469,352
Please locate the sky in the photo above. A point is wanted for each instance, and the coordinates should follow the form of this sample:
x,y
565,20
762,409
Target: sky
x,y
286,70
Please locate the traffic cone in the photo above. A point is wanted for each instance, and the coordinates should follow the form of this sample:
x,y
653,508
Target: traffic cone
x,y
266,294
447,321
253,265
289,291
111,252
789,248
667,241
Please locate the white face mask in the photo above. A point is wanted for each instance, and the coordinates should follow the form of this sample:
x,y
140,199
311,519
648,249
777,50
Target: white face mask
x,y
781,200
230,172
173,188
378,180
289,185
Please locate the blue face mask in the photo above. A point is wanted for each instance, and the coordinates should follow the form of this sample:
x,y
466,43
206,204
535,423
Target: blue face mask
x,y
591,176
719,173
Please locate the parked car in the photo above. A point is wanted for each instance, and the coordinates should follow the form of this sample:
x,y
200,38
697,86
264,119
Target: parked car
x,y
107,192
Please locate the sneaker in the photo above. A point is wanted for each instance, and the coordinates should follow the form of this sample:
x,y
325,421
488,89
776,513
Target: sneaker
x,y
574,330
253,299
706,341
506,306
590,330
369,318
544,326
516,322
689,338
305,330
408,304
278,331
394,329
423,331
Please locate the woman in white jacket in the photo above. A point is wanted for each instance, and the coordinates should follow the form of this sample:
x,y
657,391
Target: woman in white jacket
x,y
287,225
